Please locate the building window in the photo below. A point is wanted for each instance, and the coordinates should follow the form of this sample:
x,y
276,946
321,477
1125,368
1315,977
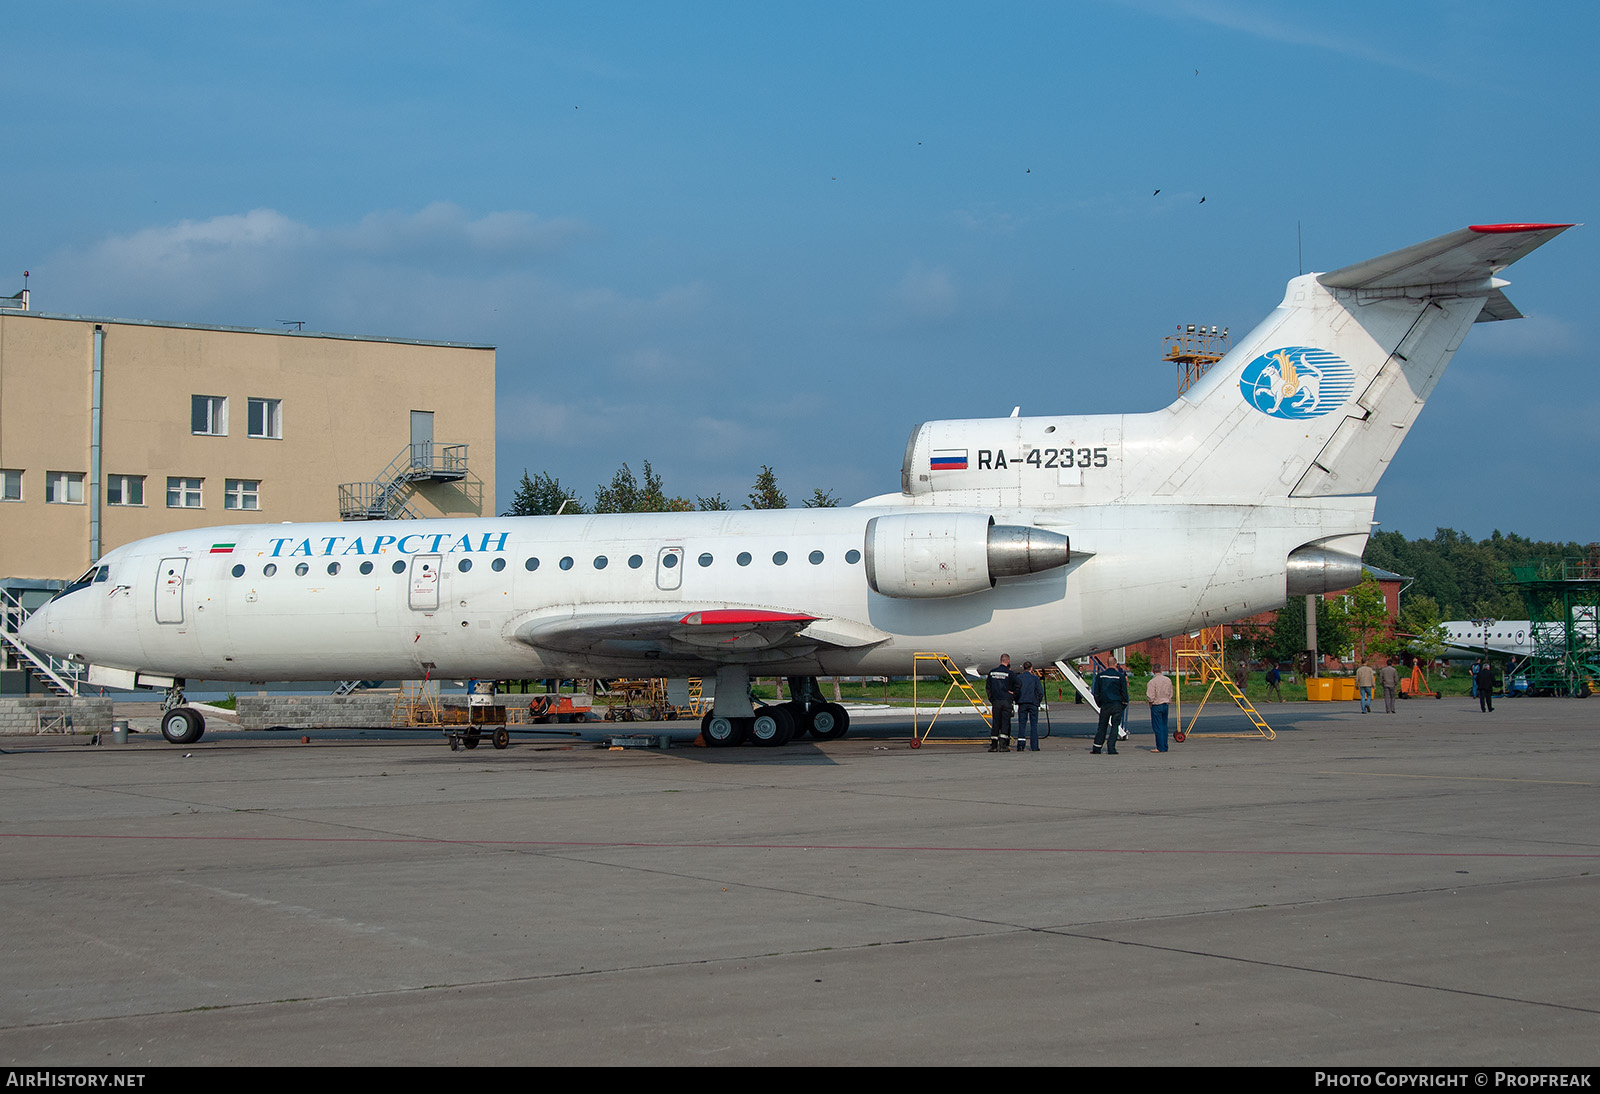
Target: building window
x,y
10,485
242,494
124,489
208,415
266,418
63,487
183,493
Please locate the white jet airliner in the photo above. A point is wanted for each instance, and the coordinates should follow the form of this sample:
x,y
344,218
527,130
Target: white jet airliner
x,y
1042,537
1511,637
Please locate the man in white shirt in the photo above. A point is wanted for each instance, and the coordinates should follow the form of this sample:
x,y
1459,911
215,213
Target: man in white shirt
x,y
1159,692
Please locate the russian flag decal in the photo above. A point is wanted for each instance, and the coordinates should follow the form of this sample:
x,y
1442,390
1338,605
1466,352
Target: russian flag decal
x,y
948,459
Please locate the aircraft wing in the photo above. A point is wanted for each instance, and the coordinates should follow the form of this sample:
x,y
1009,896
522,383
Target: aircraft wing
x,y
1470,255
712,633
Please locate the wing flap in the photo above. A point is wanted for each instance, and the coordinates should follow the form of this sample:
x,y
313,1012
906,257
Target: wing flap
x,y
711,633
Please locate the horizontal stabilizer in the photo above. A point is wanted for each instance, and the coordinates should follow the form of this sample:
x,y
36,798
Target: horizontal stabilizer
x,y
1468,255
1496,306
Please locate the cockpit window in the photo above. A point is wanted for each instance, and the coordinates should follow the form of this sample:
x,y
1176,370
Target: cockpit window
x,y
95,573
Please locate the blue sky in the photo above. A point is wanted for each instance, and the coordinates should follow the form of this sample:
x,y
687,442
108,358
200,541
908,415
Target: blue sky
x,y
717,236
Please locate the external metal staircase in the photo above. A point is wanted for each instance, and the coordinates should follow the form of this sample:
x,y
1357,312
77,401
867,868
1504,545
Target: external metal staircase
x,y
388,497
56,673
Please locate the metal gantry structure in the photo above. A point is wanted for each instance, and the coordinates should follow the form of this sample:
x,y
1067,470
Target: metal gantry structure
x,y
1194,349
1563,599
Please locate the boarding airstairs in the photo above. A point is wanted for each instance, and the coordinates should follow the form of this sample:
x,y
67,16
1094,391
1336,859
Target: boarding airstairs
x,y
60,675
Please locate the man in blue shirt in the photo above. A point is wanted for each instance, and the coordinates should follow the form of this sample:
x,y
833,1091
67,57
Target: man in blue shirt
x,y
1030,693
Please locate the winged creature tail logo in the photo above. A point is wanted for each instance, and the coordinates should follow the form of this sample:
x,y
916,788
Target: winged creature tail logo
x,y
1297,382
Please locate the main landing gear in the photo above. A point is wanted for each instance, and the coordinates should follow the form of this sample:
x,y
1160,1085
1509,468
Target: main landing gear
x,y
776,725
734,721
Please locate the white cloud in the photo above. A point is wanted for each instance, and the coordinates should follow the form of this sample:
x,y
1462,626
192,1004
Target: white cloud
x,y
443,229
926,292
988,221
1263,22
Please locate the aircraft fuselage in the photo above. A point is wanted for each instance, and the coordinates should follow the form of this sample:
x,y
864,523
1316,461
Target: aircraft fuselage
x,y
397,600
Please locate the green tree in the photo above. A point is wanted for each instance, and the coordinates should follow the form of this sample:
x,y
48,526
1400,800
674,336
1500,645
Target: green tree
x,y
1288,636
1420,620
822,500
627,495
766,494
715,503
1365,615
541,496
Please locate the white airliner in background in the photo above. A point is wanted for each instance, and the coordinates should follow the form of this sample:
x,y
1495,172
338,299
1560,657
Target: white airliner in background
x,y
1509,637
1042,537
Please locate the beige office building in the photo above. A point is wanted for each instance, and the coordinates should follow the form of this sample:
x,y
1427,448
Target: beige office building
x,y
116,429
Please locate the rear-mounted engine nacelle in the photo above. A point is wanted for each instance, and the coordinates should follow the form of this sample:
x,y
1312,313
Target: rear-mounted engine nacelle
x,y
953,554
1316,569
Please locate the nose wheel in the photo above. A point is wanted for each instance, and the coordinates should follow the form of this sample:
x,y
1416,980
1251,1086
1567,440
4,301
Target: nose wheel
x,y
183,725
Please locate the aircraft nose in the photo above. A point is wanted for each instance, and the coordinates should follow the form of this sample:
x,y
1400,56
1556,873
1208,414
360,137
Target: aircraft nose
x,y
36,628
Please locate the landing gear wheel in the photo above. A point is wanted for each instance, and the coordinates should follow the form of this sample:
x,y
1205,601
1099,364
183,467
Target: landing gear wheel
x,y
829,722
802,718
182,725
772,726
723,732
501,738
471,738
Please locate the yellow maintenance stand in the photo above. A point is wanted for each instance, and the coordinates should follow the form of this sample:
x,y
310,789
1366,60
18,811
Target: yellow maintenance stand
x,y
956,681
1207,658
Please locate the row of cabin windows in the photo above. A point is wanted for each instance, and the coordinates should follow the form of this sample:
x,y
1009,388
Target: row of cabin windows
x,y
600,563
66,488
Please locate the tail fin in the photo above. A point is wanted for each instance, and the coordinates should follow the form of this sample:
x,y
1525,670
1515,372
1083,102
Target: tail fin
x,y
1316,399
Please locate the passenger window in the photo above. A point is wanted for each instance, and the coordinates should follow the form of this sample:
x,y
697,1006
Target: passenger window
x,y
599,562
238,571
635,561
780,557
366,567
744,558
705,559
269,569
816,558
333,568
464,565
497,565
399,567
566,563
852,557
531,565
302,570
